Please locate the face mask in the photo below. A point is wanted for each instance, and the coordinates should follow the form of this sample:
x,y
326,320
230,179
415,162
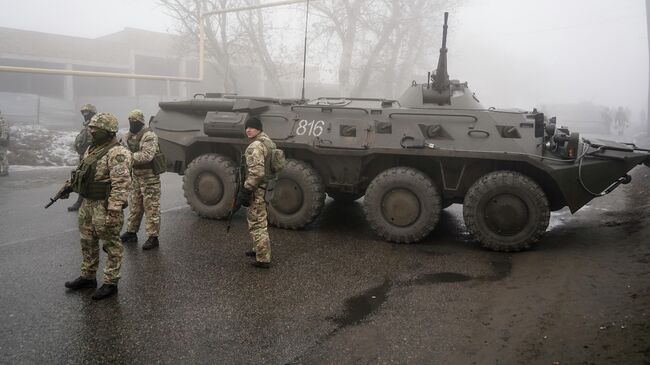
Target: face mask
x,y
101,136
135,127
87,117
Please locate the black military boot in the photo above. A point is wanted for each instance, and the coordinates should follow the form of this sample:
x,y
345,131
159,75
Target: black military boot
x,y
105,291
81,283
129,237
75,207
250,253
261,265
152,242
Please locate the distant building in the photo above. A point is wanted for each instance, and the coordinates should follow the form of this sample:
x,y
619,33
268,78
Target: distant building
x,y
54,99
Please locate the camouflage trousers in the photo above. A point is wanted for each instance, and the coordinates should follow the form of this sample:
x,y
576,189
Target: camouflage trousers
x,y
92,228
144,200
257,226
4,162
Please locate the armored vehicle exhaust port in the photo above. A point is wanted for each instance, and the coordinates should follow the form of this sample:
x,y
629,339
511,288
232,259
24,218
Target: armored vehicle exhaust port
x,y
409,158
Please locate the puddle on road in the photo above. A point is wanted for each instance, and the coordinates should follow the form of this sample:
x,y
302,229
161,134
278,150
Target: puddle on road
x,y
360,307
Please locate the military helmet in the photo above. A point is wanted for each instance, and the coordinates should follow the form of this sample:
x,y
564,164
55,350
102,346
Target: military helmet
x,y
88,108
105,121
136,114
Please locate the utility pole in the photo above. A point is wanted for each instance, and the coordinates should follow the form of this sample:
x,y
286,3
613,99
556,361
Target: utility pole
x,y
647,19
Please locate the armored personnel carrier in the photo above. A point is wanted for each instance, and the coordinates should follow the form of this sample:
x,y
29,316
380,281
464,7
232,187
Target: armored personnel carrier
x,y
409,158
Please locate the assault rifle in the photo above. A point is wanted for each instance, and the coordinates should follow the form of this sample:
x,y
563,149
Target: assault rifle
x,y
63,193
238,185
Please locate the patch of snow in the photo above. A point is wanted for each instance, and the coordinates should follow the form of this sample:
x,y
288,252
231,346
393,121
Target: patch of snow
x,y
35,145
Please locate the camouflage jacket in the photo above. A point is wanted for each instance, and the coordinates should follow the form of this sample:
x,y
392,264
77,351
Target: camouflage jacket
x,y
255,155
115,167
4,130
144,146
83,140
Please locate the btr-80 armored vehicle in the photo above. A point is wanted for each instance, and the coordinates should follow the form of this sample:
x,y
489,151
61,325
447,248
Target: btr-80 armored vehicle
x,y
409,158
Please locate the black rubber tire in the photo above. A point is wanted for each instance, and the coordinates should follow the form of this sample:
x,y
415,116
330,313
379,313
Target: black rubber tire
x,y
299,196
209,185
506,211
402,188
344,197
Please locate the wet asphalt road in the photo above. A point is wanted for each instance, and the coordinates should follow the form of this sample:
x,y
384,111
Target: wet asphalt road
x,y
336,293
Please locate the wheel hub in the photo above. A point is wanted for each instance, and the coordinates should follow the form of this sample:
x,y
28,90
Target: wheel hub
x,y
506,214
209,188
400,207
287,196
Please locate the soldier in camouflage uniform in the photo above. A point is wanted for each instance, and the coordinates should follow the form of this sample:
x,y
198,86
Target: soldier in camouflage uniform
x,y
82,142
145,193
103,179
251,194
4,144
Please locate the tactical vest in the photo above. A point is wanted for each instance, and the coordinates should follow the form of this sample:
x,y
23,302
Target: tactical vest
x,y
83,178
157,164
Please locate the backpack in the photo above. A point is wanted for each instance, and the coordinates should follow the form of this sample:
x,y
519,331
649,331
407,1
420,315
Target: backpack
x,y
275,160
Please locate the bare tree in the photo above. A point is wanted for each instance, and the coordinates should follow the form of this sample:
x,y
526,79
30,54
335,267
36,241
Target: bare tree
x,y
381,41
375,45
230,39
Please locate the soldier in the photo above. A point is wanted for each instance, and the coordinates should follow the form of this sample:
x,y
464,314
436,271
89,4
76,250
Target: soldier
x,y
145,196
251,194
103,179
4,144
82,142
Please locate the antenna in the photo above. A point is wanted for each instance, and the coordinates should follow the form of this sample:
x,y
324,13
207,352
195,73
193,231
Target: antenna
x,y
304,52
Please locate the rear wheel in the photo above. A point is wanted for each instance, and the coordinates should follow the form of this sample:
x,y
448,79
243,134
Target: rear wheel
x,y
209,185
298,196
402,205
506,211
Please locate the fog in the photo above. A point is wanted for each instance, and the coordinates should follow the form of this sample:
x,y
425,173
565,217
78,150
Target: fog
x,y
523,53
512,53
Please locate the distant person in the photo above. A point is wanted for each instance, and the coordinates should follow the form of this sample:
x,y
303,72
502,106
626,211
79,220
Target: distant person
x,y
103,179
82,142
148,164
251,194
606,117
621,121
4,145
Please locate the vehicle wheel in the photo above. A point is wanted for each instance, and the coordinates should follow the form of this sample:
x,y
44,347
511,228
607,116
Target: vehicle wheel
x,y
506,211
298,197
209,185
344,197
402,205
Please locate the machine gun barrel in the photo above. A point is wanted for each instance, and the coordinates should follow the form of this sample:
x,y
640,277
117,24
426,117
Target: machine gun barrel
x,y
441,77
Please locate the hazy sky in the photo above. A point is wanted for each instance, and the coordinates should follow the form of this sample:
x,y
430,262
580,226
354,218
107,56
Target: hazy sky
x,y
513,53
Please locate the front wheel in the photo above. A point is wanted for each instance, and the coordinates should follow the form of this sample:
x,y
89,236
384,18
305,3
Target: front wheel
x,y
402,204
506,211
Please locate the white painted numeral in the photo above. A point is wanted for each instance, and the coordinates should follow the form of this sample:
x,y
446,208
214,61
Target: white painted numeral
x,y
313,128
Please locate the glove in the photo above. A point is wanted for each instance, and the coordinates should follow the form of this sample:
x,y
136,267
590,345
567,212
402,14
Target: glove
x,y
113,218
244,196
